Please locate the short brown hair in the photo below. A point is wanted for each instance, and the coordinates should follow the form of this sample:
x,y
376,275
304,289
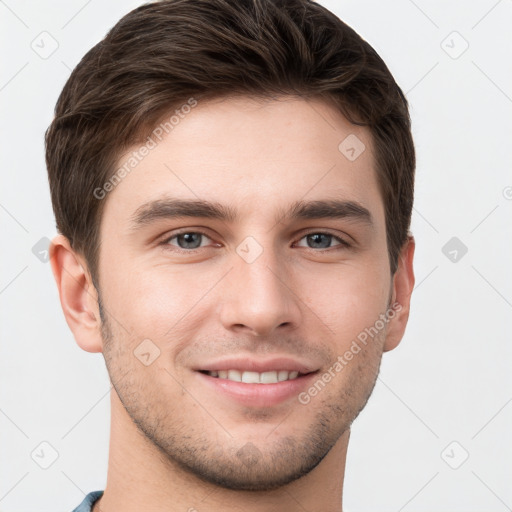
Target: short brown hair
x,y
161,54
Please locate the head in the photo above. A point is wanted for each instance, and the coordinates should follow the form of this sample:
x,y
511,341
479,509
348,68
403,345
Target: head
x,y
234,180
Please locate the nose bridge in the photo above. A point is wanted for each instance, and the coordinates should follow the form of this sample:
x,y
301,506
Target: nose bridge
x,y
258,296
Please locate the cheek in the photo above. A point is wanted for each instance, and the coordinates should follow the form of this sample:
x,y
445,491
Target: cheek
x,y
347,298
157,301
163,301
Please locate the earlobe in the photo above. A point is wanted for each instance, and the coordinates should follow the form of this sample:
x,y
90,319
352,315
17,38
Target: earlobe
x,y
78,296
403,284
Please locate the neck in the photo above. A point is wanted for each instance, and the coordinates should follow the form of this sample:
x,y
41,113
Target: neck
x,y
141,478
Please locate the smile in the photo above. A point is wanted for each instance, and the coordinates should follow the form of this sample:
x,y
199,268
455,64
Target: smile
x,y
249,377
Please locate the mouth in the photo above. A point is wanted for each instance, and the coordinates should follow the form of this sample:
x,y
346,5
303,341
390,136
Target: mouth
x,y
264,389
251,377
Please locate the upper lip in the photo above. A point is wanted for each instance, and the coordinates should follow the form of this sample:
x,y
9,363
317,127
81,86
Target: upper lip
x,y
258,365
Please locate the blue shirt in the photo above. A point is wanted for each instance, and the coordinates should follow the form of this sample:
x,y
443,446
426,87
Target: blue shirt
x,y
89,501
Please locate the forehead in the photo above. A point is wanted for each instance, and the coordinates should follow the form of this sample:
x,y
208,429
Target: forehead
x,y
252,155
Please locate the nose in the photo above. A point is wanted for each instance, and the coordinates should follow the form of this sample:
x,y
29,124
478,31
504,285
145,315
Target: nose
x,y
259,297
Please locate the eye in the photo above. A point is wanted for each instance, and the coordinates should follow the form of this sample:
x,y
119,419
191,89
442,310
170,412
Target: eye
x,y
187,240
323,241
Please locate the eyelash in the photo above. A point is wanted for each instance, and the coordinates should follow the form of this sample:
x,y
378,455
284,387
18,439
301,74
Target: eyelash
x,y
343,244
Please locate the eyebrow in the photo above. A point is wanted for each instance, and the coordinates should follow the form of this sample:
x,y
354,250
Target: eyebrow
x,y
173,208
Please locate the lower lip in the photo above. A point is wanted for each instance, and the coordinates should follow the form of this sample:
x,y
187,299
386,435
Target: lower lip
x,y
258,395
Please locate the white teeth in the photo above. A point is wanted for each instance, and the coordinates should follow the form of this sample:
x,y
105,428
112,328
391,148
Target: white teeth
x,y
250,377
282,375
234,375
268,377
271,377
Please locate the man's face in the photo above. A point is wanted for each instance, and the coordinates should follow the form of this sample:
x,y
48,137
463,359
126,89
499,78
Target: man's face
x,y
265,290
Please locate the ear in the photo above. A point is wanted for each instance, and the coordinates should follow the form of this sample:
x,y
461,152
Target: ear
x,y
78,296
403,284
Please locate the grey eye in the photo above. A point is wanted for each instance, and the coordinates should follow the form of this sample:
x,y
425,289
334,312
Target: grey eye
x,y
191,240
320,240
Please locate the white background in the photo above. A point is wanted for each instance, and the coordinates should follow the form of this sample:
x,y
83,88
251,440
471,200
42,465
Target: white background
x,y
449,380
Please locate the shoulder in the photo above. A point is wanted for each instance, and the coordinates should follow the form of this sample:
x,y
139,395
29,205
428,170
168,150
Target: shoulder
x,y
89,501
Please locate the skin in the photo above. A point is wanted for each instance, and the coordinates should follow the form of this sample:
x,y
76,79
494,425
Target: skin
x,y
175,443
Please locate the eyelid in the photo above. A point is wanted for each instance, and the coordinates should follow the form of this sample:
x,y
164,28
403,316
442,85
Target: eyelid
x,y
167,238
342,242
